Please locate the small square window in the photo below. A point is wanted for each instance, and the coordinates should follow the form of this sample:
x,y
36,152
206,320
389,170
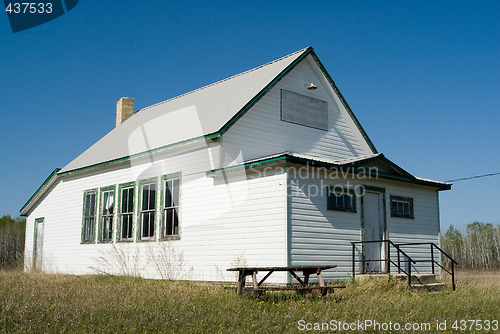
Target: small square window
x,y
341,199
401,207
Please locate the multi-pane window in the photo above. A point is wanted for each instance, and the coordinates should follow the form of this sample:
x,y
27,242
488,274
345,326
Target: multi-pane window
x,y
401,207
147,212
99,211
341,200
171,208
88,223
126,213
107,214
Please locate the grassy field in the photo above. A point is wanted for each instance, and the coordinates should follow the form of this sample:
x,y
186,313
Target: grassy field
x,y
101,304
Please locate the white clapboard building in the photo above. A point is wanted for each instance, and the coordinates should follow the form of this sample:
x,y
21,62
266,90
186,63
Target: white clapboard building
x,y
269,167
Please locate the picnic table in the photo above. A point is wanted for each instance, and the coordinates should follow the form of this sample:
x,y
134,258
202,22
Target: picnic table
x,y
258,289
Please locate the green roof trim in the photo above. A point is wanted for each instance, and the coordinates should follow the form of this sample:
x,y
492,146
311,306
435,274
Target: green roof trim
x,y
344,102
288,158
245,165
211,136
54,173
263,92
382,157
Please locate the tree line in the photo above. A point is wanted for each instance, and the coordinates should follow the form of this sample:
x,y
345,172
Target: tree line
x,y
12,231
478,246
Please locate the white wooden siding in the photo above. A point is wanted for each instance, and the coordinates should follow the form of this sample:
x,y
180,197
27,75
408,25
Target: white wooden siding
x,y
423,228
261,132
221,220
318,235
321,236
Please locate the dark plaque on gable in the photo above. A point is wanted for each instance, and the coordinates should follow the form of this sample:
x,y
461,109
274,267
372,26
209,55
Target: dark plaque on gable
x,y
304,110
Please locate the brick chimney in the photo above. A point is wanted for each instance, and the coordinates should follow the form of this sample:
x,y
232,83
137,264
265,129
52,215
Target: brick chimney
x,y
124,109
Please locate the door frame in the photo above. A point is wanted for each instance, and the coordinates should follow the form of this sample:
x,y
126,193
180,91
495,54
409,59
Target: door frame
x,y
37,258
381,192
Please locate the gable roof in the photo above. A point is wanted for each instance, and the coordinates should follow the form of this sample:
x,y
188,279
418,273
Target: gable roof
x,y
203,113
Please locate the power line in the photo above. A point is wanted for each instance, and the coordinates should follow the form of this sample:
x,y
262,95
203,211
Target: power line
x,y
473,177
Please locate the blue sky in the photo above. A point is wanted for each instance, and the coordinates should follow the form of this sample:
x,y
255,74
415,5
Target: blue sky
x,y
422,77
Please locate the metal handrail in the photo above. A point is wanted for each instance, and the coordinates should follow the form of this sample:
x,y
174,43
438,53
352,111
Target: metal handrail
x,y
433,245
388,260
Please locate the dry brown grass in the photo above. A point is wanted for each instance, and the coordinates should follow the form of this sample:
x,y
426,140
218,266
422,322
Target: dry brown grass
x,y
107,304
477,277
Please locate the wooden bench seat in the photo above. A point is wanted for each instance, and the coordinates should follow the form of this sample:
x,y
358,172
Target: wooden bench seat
x,y
299,289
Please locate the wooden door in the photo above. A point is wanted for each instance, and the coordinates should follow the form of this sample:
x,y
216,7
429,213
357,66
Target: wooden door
x,y
373,230
38,245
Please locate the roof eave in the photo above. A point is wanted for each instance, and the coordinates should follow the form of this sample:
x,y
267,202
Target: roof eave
x,y
287,157
439,185
212,136
49,181
58,172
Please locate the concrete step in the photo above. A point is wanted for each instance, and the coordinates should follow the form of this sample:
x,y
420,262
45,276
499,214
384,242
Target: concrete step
x,y
418,278
431,287
362,277
418,281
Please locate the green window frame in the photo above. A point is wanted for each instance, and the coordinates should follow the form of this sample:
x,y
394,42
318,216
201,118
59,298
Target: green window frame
x,y
107,213
89,216
170,201
401,207
126,202
147,209
341,199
